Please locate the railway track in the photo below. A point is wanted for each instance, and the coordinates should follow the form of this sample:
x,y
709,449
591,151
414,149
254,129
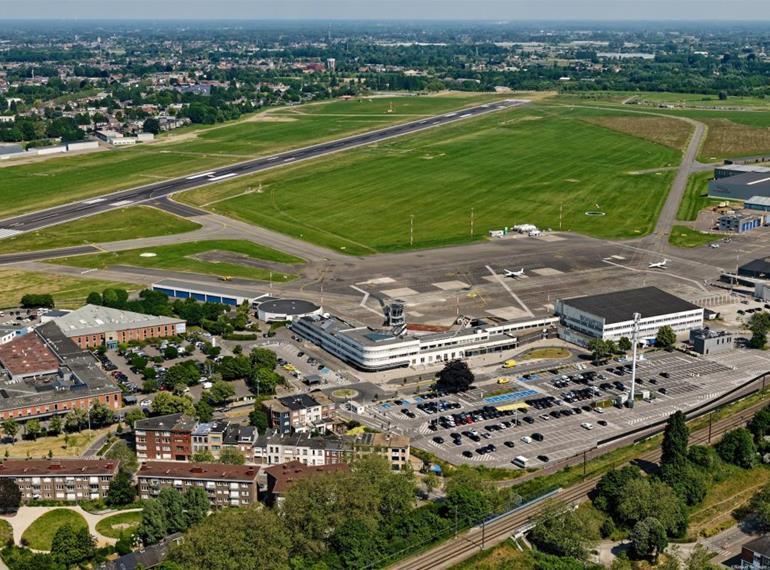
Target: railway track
x,y
478,538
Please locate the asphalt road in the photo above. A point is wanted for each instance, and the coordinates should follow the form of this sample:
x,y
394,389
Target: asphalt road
x,y
75,210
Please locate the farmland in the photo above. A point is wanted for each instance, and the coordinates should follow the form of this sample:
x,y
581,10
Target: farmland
x,y
56,181
524,165
125,223
192,257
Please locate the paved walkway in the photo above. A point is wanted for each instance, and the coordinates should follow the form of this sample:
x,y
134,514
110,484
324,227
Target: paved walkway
x,y
27,515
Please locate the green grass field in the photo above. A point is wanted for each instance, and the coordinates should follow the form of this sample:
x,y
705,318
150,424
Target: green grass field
x,y
122,523
115,225
68,292
182,257
642,98
40,533
682,236
516,166
695,196
56,181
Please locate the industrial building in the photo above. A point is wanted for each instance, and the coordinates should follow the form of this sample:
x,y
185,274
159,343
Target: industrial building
x,y
757,269
728,170
708,341
205,293
44,373
758,203
92,326
282,310
740,222
610,316
372,350
740,187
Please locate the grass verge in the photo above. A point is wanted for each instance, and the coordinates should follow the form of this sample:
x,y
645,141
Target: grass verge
x,y
195,257
40,533
65,445
122,224
695,197
554,353
122,523
6,532
682,236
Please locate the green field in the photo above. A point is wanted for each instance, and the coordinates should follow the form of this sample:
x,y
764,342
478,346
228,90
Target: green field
x,y
115,225
695,196
682,236
181,257
68,292
517,166
43,184
691,100
40,533
120,524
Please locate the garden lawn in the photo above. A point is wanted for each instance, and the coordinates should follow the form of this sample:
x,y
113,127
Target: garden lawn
x,y
519,166
74,446
695,196
120,524
40,533
682,236
65,179
115,225
182,257
68,292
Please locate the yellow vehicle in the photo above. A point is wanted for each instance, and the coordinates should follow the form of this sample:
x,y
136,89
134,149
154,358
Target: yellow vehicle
x,y
289,367
225,278
509,364
503,380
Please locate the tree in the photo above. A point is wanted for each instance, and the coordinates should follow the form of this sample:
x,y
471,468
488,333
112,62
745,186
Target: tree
x,y
250,539
170,352
565,532
611,487
10,429
258,418
121,491
72,545
263,358
431,481
133,416
172,503
220,392
675,437
166,403
34,301
624,344
666,337
75,419
151,125
56,425
643,498
33,429
196,505
759,325
759,425
152,529
600,349
700,559
737,447
94,298
468,496
648,538
121,452
10,496
231,456
455,377
356,542
687,482
101,415
203,410
203,456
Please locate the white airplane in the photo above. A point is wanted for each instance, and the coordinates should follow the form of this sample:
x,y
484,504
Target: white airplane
x,y
658,265
514,274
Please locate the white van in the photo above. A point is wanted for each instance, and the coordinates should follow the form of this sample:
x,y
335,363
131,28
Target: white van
x,y
520,461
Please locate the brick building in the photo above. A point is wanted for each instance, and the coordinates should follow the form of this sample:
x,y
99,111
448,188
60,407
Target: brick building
x,y
226,485
60,479
300,412
165,437
92,326
281,478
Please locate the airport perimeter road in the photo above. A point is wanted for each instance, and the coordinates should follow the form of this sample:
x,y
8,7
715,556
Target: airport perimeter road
x,y
75,210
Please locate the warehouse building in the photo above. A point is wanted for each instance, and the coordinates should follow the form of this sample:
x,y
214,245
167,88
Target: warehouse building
x,y
740,222
741,186
205,293
282,310
758,203
728,170
708,341
610,316
92,326
372,350
756,269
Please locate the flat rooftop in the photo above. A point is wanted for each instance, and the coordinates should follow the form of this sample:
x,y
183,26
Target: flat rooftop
x,y
202,471
207,288
620,306
95,319
27,355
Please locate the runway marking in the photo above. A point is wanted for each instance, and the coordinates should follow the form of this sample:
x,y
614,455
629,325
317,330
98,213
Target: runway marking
x,y
378,281
122,203
273,158
4,233
466,115
365,299
200,175
289,159
511,293
229,175
95,201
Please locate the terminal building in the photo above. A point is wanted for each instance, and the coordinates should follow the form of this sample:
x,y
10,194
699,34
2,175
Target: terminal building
x,y
205,293
610,316
372,350
283,310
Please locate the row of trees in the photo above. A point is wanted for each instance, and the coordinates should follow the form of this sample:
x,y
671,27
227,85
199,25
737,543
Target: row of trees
x,y
172,512
99,415
602,349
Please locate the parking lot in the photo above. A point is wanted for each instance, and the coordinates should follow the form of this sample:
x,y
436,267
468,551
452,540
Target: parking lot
x,y
553,414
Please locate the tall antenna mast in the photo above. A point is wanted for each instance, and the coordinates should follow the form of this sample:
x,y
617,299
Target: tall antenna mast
x,y
635,341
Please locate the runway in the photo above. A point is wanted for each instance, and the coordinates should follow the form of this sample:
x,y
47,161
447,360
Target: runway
x,y
81,209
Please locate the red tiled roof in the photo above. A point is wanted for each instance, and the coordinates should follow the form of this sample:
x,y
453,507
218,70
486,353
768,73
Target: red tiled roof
x,y
43,467
27,356
203,471
286,475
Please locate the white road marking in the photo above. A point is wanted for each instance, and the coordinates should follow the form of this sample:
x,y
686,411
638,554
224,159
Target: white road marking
x,y
229,175
273,158
4,233
289,159
95,201
465,115
200,175
122,203
511,293
366,298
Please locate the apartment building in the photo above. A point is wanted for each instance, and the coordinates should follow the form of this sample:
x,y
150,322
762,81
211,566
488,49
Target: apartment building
x,y
165,437
60,479
301,412
394,448
281,478
226,485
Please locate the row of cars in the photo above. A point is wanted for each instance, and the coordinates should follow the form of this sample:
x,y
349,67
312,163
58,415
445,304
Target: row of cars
x,y
466,418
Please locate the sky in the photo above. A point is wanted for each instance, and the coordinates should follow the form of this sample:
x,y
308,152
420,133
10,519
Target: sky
x,y
508,10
